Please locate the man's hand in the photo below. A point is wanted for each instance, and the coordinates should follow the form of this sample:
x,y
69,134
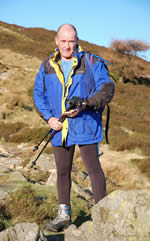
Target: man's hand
x,y
75,112
55,124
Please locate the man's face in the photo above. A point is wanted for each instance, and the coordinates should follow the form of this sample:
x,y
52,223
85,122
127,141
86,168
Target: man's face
x,y
66,42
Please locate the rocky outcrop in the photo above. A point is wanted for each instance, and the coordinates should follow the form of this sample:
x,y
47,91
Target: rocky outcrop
x,y
23,232
45,162
121,216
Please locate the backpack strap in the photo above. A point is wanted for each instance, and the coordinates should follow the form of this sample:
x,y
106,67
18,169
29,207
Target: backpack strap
x,y
107,123
46,66
89,86
88,65
101,59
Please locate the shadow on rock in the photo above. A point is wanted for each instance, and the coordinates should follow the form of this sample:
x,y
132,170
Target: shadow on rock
x,y
83,217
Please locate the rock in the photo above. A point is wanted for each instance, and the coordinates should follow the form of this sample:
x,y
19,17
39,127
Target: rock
x,y
120,216
84,232
78,172
75,187
51,181
3,195
73,234
16,176
45,162
87,231
84,193
12,186
121,79
4,75
23,232
7,162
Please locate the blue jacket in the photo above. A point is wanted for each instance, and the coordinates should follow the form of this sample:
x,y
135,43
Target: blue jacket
x,y
51,95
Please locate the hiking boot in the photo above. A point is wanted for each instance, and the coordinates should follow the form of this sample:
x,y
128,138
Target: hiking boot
x,y
62,221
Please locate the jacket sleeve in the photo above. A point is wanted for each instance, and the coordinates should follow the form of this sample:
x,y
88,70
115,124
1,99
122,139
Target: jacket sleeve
x,y
40,96
104,87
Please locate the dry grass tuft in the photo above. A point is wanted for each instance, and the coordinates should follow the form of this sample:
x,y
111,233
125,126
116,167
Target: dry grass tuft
x,y
38,205
27,205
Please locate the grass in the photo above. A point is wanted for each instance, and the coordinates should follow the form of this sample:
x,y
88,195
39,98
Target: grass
x,y
32,204
26,205
20,132
129,121
143,165
130,114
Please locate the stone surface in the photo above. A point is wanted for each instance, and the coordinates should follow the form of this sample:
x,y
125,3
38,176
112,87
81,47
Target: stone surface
x,y
16,176
83,233
73,234
12,186
23,232
123,215
120,216
51,181
6,162
45,162
75,187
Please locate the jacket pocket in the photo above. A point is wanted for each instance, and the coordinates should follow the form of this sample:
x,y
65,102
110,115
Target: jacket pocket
x,y
76,126
86,124
91,122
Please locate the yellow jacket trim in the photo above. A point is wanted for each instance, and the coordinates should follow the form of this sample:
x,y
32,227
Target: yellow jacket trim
x,y
59,73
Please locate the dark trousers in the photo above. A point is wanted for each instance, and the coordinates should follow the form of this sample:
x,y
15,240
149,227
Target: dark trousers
x,y
64,160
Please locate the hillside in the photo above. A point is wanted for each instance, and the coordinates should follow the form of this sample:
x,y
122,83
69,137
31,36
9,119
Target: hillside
x,y
21,53
38,42
125,161
23,49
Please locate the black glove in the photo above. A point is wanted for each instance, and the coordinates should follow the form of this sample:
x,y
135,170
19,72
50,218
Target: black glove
x,y
75,103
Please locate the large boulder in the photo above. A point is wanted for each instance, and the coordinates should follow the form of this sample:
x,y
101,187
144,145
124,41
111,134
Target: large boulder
x,y
23,232
122,215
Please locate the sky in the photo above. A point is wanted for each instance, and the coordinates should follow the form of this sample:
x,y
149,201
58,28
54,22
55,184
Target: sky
x,y
97,21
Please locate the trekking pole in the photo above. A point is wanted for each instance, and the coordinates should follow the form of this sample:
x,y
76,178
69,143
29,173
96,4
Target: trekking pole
x,y
34,162
52,133
49,132
75,102
37,146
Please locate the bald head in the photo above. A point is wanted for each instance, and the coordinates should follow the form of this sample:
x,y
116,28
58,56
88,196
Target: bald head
x,y
67,27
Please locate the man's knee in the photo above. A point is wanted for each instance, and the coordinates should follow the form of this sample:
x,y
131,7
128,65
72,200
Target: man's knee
x,y
63,171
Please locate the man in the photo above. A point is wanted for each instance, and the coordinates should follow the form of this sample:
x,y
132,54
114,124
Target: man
x,y
62,77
